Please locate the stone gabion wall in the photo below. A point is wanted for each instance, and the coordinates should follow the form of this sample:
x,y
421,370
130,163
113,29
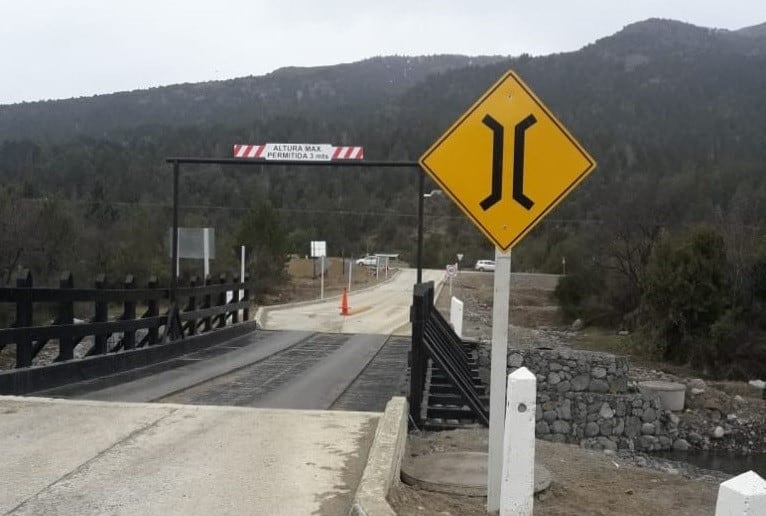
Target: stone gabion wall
x,y
604,421
583,398
565,370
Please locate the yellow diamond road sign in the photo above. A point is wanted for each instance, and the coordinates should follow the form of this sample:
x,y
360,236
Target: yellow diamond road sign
x,y
507,162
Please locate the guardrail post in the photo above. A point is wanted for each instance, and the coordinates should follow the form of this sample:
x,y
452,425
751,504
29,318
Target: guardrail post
x,y
207,304
66,316
743,495
192,306
153,310
101,315
24,313
456,316
246,297
518,481
129,314
235,298
222,302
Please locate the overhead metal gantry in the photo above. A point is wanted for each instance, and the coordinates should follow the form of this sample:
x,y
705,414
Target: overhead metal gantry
x,y
178,161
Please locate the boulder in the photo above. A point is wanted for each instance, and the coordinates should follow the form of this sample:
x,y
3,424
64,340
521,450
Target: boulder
x,y
580,382
606,411
696,383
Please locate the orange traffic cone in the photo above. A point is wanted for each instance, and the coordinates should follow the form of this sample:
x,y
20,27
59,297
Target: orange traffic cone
x,y
344,303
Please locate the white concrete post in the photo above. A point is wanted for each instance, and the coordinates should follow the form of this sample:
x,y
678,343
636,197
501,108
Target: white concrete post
x,y
456,316
744,495
350,272
518,487
498,376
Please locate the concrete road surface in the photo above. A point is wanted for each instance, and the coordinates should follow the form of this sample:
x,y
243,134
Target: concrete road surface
x,y
90,457
383,309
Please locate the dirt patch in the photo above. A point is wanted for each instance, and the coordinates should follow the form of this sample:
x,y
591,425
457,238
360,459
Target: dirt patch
x,y
531,302
583,482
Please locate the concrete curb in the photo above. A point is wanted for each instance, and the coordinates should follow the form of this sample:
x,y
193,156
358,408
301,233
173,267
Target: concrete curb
x,y
384,462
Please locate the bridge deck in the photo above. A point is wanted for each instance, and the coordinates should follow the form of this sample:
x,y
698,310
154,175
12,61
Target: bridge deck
x,y
267,369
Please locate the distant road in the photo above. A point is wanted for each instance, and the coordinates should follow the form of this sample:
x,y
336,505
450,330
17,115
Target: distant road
x,y
383,309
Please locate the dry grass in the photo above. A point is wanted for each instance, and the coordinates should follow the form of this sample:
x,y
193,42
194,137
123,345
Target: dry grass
x,y
738,388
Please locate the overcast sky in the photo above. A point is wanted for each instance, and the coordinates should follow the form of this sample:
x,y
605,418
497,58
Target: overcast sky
x,y
71,48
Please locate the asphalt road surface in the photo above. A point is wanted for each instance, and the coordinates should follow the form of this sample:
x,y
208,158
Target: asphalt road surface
x,y
383,309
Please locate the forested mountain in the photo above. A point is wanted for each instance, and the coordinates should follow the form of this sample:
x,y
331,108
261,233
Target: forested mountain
x,y
675,116
352,89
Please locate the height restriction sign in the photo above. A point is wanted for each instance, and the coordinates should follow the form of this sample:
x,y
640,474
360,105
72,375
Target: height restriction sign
x,y
507,162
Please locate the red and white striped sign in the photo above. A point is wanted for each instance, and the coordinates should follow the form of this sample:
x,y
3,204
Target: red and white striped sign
x,y
298,152
348,153
248,151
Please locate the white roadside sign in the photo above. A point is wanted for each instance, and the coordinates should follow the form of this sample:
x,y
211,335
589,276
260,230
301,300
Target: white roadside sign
x,y
298,152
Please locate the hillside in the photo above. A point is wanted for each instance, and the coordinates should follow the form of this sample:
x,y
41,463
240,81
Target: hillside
x,y
339,90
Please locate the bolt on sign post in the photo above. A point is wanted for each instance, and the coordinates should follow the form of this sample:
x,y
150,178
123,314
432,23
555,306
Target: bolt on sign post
x,y
506,162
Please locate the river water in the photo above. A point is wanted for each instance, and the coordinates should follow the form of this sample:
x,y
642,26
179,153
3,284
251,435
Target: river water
x,y
720,461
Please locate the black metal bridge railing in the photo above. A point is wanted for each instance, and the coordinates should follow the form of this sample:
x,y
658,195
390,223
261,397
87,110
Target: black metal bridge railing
x,y
440,363
200,307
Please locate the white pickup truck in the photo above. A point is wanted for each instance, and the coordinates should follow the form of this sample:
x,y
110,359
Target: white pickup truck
x,y
368,261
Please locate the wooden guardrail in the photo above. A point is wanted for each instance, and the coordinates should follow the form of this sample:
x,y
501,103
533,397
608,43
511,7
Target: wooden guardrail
x,y
200,307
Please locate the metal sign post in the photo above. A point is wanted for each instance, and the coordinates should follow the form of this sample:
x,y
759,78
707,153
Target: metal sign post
x,y
206,252
506,162
421,181
321,283
497,385
174,238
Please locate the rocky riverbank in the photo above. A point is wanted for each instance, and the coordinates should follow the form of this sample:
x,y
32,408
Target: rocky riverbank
x,y
721,417
584,481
